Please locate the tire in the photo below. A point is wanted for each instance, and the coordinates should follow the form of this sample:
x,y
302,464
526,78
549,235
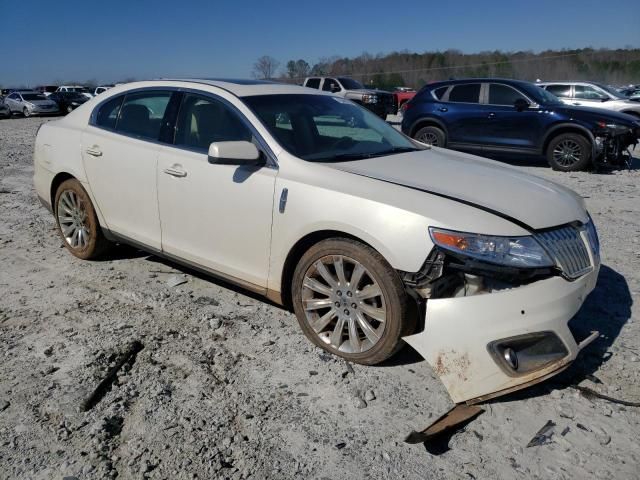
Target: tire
x,y
337,311
569,152
26,112
74,212
69,109
431,136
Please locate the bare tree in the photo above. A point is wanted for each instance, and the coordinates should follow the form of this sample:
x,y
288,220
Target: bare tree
x,y
265,67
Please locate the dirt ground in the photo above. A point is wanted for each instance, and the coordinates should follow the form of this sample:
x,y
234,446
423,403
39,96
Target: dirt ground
x,y
226,385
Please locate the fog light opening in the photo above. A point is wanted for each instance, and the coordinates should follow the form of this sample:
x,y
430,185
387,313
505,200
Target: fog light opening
x,y
511,357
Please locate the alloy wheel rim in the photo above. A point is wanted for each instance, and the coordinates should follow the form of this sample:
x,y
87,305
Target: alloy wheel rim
x,y
429,138
567,153
72,218
343,304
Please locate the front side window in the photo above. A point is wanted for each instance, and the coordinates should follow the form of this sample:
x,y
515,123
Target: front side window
x,y
350,83
203,120
469,93
141,114
587,93
503,95
330,85
313,83
323,128
107,115
560,90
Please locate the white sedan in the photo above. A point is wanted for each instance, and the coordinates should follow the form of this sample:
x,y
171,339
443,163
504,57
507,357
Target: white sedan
x,y
371,238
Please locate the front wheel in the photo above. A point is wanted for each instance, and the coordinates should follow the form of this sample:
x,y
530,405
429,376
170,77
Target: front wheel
x,y
351,302
77,221
26,112
69,109
569,152
431,136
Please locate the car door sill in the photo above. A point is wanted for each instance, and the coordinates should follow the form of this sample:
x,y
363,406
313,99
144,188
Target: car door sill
x,y
118,238
493,148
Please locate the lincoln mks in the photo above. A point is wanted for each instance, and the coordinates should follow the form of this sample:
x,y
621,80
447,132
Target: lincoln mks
x,y
373,239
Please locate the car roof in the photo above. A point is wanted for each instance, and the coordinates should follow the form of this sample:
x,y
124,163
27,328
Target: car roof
x,y
460,81
246,88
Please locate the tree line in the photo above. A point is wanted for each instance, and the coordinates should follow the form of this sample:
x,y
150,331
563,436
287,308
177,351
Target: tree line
x,y
611,66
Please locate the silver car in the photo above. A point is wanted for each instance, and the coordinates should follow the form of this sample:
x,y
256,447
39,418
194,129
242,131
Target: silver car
x,y
4,109
31,103
591,94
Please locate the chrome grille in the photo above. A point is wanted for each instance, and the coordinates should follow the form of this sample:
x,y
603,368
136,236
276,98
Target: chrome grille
x,y
569,248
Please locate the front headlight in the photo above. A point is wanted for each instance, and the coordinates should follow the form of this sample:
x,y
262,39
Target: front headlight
x,y
369,98
516,252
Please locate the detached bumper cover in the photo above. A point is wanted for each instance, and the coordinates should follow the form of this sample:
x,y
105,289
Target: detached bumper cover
x,y
458,331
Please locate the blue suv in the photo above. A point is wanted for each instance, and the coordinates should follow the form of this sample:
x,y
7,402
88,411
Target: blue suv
x,y
516,117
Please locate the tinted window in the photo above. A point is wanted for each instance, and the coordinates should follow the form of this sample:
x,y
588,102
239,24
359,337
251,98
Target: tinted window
x,y
439,92
469,93
350,84
313,83
503,95
586,92
108,114
560,90
329,85
141,114
203,120
33,96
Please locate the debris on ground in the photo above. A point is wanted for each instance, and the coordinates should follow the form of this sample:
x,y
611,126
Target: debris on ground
x,y
543,436
175,280
451,422
590,394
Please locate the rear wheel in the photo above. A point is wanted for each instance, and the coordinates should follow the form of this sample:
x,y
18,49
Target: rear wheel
x,y
69,109
431,136
569,152
351,302
77,221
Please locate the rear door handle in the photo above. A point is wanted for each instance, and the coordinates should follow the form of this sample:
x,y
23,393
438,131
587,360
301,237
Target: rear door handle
x,y
443,109
94,151
492,115
175,171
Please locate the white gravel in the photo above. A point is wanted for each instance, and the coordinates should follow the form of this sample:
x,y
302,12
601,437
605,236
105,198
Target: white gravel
x,y
227,386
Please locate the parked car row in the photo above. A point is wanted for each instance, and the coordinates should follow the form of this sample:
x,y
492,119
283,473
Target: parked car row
x,y
520,118
45,100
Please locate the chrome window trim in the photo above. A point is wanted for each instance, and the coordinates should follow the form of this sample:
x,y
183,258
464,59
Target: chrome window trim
x,y
262,144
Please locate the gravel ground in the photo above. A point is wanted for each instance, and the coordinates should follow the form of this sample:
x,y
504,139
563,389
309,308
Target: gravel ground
x,y
227,386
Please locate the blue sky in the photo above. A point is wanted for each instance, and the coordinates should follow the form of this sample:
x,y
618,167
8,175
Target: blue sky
x,y
44,42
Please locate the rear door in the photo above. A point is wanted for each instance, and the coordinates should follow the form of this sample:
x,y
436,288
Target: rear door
x,y
120,153
507,127
561,90
464,116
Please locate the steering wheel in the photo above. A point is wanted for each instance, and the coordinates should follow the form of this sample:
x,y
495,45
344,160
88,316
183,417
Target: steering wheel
x,y
343,143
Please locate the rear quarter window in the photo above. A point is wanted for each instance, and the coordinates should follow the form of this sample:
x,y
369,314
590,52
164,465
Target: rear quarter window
x,y
107,115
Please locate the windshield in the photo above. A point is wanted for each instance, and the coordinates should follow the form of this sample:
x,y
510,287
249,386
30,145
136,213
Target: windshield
x,y
350,83
33,96
323,128
611,91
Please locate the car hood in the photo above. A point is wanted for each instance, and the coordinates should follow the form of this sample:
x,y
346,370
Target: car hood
x,y
527,200
590,113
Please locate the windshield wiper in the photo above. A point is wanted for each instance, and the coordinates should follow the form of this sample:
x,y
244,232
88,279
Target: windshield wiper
x,y
360,156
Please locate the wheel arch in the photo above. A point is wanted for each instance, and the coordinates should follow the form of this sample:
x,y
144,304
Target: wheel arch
x,y
426,122
298,250
562,128
55,183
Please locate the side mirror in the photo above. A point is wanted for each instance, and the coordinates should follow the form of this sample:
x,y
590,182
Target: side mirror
x,y
521,104
235,153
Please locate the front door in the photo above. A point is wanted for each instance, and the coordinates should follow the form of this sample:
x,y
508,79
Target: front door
x,y
120,154
216,216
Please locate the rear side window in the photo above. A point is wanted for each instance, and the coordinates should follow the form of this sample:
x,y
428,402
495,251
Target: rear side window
x,y
108,113
439,92
203,120
503,95
559,90
141,114
313,83
469,93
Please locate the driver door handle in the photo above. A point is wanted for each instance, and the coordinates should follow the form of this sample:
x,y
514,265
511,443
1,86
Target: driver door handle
x,y
175,171
492,115
94,151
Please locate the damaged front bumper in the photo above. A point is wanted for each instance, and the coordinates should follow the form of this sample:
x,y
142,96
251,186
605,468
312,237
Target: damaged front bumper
x,y
486,345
